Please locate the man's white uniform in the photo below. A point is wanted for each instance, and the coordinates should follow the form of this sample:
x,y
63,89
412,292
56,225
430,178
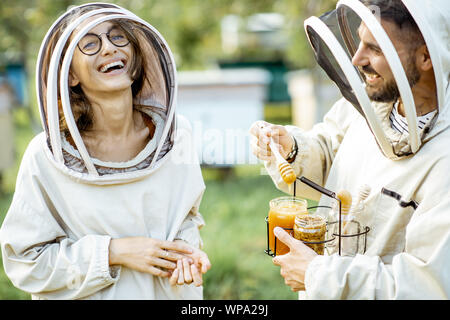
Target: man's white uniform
x,y
408,251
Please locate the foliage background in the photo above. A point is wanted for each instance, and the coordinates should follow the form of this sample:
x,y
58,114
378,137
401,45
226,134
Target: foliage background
x,y
191,27
235,204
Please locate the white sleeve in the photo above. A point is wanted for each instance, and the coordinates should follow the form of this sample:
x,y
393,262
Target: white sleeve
x,y
420,272
316,149
41,259
190,230
191,225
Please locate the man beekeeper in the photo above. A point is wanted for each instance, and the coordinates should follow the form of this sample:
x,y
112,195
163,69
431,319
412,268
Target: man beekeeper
x,y
391,61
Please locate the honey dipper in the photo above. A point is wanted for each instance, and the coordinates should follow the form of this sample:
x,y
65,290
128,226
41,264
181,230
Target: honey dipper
x,y
346,202
286,171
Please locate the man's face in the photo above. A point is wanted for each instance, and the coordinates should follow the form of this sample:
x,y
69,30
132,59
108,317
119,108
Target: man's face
x,y
370,60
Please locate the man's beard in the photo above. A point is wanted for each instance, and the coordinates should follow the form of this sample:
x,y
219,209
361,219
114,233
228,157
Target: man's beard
x,y
389,91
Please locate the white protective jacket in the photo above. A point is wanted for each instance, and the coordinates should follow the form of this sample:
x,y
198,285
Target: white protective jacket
x,y
408,251
55,237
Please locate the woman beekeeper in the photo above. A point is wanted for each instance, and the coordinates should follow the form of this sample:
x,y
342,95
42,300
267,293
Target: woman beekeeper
x,y
390,132
106,201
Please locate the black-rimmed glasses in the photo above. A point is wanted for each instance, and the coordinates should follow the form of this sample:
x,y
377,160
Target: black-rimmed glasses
x,y
91,43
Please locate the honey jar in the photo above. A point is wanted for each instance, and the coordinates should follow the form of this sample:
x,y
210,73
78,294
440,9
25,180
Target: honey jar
x,y
283,211
311,228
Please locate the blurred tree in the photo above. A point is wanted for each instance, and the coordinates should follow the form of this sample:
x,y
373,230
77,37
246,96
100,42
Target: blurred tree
x,y
191,27
299,51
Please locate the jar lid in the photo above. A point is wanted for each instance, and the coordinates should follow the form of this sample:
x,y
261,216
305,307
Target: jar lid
x,y
309,221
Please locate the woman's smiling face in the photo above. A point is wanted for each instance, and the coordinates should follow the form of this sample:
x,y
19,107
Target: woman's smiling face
x,y
108,69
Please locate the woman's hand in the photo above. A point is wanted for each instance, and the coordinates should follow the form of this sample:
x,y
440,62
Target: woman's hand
x,y
191,268
186,273
260,134
147,254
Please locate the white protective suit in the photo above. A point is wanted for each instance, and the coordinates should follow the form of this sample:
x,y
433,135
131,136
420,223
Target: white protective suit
x,y
408,251
55,237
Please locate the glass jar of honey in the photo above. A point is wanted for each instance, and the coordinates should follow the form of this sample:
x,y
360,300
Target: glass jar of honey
x,y
283,211
311,228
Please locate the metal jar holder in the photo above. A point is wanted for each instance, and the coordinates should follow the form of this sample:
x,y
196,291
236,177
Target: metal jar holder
x,y
339,234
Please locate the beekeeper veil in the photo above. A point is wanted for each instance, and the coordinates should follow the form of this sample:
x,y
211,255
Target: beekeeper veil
x,y
336,39
154,82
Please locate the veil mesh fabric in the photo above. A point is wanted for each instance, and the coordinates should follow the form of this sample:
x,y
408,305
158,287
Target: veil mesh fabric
x,y
327,61
155,94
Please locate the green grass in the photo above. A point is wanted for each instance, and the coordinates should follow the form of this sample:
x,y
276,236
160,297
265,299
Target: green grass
x,y
235,238
23,135
234,206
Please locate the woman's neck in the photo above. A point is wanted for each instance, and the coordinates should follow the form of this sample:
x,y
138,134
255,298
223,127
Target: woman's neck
x,y
118,131
112,113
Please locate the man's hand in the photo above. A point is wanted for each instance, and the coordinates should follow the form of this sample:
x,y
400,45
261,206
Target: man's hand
x,y
260,134
293,264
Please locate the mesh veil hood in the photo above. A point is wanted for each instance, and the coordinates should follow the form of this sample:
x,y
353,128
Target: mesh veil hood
x,y
433,19
334,40
158,91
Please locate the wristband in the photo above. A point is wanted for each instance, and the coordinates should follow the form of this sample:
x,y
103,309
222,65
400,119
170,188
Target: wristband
x,y
291,156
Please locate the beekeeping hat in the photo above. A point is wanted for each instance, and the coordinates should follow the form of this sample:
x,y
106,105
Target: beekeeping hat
x,y
158,89
334,39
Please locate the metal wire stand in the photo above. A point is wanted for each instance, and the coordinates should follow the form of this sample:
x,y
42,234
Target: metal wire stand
x,y
361,231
